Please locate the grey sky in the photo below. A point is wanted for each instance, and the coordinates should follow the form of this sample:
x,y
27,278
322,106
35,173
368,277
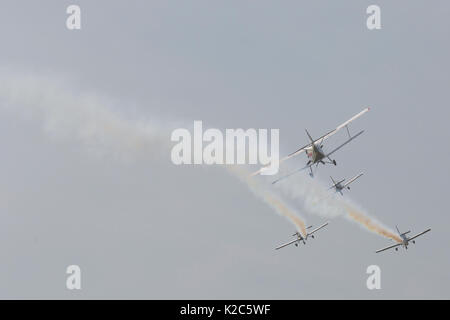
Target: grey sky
x,y
148,229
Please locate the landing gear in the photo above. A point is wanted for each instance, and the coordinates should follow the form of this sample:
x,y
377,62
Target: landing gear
x,y
312,236
296,244
414,242
396,249
334,162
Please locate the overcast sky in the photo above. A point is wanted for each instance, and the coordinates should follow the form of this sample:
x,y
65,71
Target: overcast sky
x,y
142,227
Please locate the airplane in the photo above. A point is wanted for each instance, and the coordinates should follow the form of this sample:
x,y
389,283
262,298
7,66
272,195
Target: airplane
x,y
299,237
338,186
405,240
314,149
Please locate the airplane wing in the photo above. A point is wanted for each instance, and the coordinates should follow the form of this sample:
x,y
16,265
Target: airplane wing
x,y
290,174
390,247
354,137
318,228
352,179
419,234
346,123
286,244
323,138
287,157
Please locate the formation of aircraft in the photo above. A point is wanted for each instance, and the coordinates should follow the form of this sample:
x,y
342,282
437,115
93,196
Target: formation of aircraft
x,y
300,238
340,185
405,240
316,155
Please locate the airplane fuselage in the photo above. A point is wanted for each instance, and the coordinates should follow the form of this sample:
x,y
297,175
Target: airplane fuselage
x,y
405,240
315,154
299,238
405,243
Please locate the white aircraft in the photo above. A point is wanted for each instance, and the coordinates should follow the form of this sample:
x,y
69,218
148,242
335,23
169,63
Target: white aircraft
x,y
405,240
314,149
338,186
299,237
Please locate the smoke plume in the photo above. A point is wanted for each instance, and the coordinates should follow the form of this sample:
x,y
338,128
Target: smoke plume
x,y
92,121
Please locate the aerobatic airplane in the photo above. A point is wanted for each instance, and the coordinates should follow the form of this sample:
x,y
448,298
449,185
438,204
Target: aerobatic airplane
x,y
339,186
405,240
299,237
314,149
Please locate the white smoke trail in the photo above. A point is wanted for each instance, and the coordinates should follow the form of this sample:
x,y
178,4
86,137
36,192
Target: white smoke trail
x,y
85,118
268,195
88,119
318,200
